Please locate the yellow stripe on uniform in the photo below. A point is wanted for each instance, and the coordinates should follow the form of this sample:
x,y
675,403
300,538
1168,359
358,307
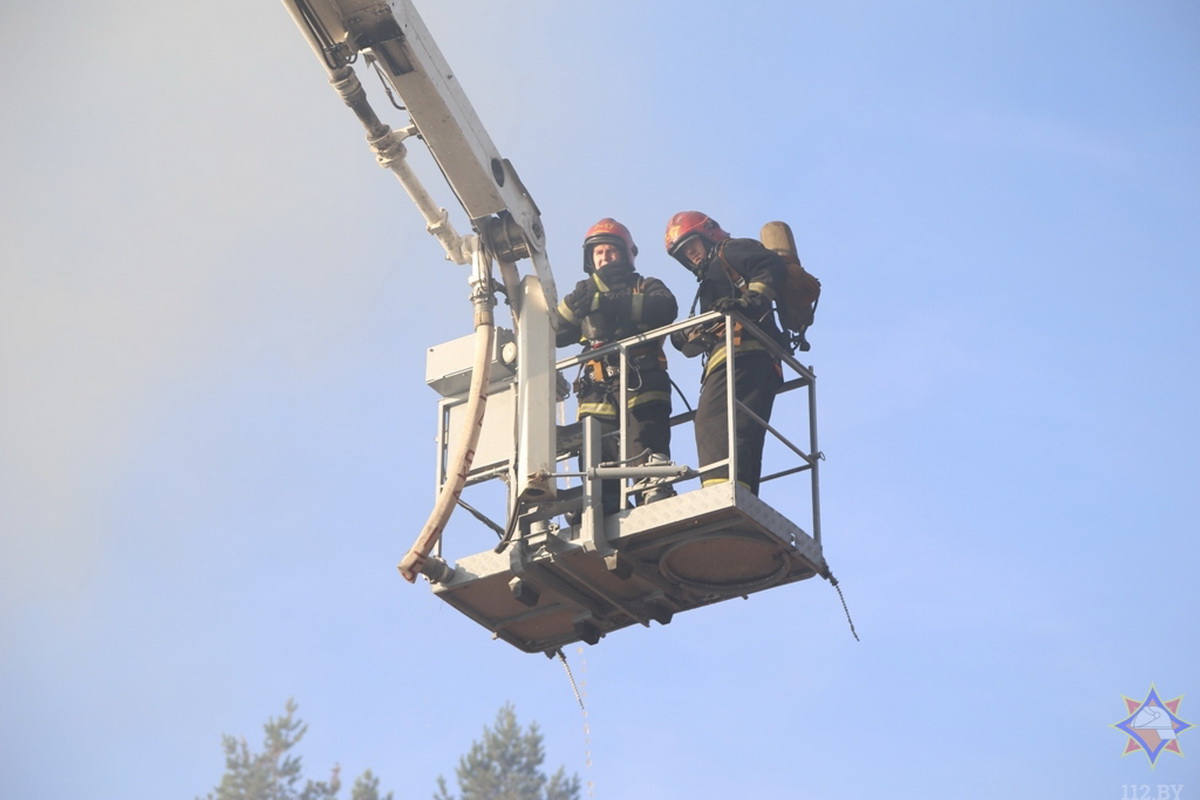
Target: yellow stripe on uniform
x,y
566,313
648,397
714,481
718,356
597,410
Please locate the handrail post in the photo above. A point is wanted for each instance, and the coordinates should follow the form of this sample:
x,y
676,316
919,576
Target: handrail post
x,y
815,453
730,403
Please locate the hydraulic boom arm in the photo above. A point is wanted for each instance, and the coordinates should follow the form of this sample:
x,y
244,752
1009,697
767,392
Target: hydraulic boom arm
x,y
507,224
394,36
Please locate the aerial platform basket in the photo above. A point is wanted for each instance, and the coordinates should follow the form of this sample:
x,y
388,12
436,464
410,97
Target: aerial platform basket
x,y
687,551
546,585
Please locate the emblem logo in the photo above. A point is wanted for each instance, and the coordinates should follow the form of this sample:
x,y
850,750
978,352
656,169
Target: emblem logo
x,y
1153,725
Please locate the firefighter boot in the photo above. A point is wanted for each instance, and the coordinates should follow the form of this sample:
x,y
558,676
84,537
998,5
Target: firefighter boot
x,y
650,490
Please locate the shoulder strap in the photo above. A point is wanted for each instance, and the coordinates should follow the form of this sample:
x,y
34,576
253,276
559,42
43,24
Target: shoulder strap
x,y
734,276
695,300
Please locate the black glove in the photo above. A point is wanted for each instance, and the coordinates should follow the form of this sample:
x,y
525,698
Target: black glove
x,y
750,301
727,304
615,305
692,342
581,303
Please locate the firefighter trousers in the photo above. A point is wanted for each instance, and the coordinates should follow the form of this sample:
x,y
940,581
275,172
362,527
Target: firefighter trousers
x,y
757,378
648,421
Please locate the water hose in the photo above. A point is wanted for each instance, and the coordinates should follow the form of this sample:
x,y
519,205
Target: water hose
x,y
460,461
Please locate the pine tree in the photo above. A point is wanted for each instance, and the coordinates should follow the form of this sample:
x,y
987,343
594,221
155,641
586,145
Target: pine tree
x,y
366,787
275,774
506,765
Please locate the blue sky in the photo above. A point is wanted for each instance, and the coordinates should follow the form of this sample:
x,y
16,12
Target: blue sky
x,y
215,441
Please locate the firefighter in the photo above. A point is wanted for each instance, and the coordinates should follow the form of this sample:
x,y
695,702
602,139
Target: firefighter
x,y
614,302
734,275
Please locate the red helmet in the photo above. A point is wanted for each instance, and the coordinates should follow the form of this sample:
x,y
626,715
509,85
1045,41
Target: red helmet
x,y
684,226
608,231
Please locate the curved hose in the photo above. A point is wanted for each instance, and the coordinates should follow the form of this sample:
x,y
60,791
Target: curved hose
x,y
460,462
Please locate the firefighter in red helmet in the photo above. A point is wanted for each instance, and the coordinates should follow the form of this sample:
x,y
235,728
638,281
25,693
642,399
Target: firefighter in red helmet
x,y
735,275
614,302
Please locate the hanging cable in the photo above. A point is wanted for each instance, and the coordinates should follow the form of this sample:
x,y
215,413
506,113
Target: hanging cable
x,y
682,396
507,534
479,515
387,87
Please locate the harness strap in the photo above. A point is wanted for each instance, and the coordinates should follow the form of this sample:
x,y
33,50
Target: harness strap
x,y
735,277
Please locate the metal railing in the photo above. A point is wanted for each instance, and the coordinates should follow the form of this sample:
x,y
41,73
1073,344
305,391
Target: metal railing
x,y
804,378
582,439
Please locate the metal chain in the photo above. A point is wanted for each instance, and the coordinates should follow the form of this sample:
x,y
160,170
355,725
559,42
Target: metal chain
x,y
834,582
563,658
587,731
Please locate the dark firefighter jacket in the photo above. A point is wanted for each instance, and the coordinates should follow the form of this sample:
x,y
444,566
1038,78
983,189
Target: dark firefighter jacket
x,y
760,271
611,304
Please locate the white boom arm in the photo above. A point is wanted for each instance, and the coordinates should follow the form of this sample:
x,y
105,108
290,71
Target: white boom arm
x,y
506,221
